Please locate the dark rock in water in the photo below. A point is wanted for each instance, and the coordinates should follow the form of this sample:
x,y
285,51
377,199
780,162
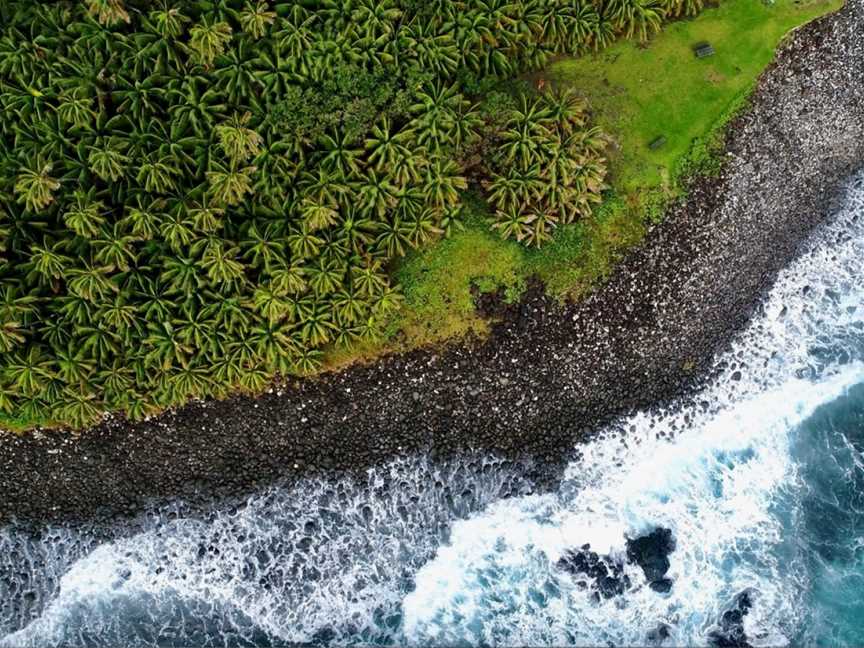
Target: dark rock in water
x,y
661,585
323,636
731,632
659,634
651,553
606,573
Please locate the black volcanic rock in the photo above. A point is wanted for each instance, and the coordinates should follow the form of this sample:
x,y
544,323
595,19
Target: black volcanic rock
x,y
730,633
603,572
659,634
651,553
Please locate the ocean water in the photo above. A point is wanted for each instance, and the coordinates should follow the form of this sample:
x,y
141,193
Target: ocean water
x,y
760,478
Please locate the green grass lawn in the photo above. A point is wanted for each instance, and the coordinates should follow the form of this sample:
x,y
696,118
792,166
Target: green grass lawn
x,y
636,92
639,92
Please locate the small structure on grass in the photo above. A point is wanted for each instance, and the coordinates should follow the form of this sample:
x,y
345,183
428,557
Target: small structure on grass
x,y
703,49
657,142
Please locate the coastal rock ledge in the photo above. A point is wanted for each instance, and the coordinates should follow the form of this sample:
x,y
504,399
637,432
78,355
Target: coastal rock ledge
x,y
548,375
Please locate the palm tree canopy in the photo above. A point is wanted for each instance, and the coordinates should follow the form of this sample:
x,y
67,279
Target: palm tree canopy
x,y
201,195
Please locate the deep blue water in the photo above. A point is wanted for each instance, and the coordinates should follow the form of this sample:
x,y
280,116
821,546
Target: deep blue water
x,y
762,487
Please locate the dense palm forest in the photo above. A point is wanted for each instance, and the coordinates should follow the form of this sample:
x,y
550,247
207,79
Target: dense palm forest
x,y
196,196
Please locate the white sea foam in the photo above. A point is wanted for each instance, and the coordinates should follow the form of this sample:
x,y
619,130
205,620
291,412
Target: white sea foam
x,y
287,565
716,486
415,555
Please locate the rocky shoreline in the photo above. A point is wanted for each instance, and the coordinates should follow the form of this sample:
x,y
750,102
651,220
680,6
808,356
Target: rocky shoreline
x,y
548,376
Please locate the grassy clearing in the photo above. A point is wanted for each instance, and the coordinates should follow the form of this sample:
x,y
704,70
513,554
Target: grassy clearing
x,y
640,92
636,93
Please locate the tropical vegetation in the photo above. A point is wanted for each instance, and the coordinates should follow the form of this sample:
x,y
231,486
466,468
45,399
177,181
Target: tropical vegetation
x,y
196,196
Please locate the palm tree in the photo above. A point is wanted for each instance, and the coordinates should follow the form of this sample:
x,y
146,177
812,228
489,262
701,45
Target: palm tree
x,y
235,75
340,157
193,210
193,107
540,231
107,12
355,230
303,243
229,184
295,35
86,216
274,70
91,282
350,307
28,371
682,7
514,223
579,24
642,17
255,19
263,249
11,336
79,406
170,23
323,187
153,300
430,49
438,108
164,348
177,229
181,276
325,277
289,279
307,361
208,40
422,228
73,367
115,249
387,300
238,141
144,222
385,147
108,160
158,175
393,238
35,186
76,108
317,327
376,194
222,266
47,263
270,302
317,216
443,183
205,218
604,33
122,317
566,109
229,313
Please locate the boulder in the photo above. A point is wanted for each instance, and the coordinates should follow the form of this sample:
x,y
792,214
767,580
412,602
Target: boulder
x,y
603,573
730,633
651,553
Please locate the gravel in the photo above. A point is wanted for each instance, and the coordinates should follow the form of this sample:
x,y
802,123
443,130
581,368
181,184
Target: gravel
x,y
549,375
